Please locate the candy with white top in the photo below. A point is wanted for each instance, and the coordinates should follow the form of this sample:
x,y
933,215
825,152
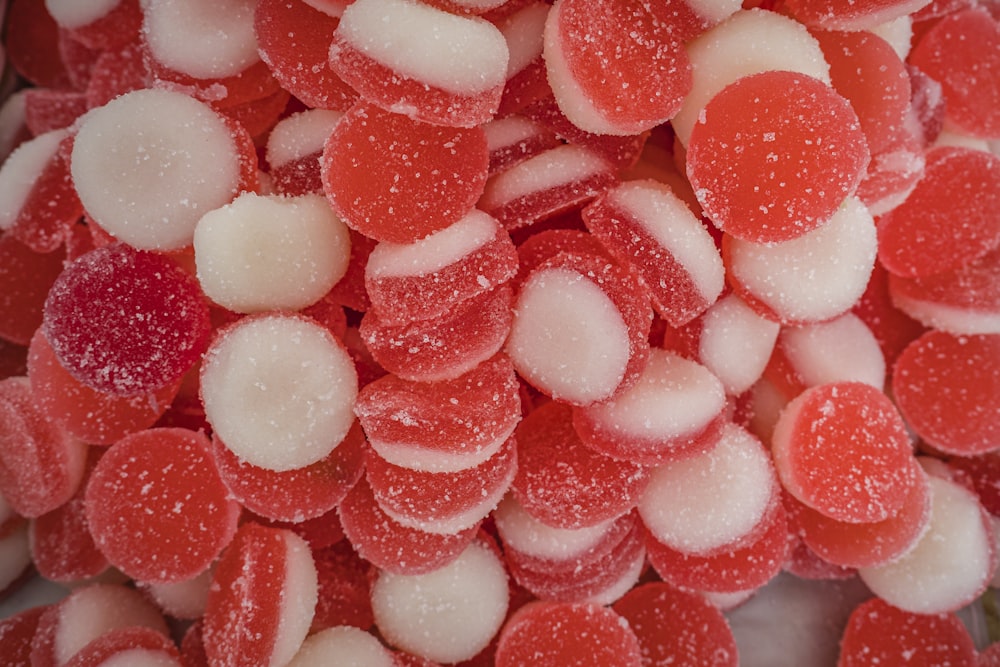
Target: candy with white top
x,y
353,647
21,170
522,532
735,343
71,14
522,31
263,253
714,499
299,379
418,613
138,165
300,135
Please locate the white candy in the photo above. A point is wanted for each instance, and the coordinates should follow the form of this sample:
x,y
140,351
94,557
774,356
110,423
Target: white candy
x,y
346,645
816,276
150,163
616,589
509,131
523,32
568,338
707,501
205,40
556,167
736,343
422,614
524,533
715,11
950,565
279,391
300,135
748,42
70,14
457,54
21,170
299,593
898,32
840,350
183,599
270,253
953,319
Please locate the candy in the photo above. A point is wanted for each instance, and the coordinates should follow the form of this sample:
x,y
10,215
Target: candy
x,y
300,380
418,612
847,15
137,645
351,646
26,277
102,24
294,147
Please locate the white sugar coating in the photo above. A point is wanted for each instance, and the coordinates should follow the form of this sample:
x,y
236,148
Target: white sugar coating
x,y
11,119
840,350
417,456
15,554
347,645
140,657
526,534
205,40
949,566
736,343
334,8
264,253
674,397
279,391
715,11
626,582
70,14
703,502
434,252
567,337
816,276
953,319
764,41
523,32
299,593
150,163
420,613
898,32
300,135
662,214
509,131
548,170
91,611
727,601
458,54
450,525
182,599
21,170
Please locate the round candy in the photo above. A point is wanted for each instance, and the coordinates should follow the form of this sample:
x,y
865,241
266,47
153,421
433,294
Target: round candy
x,y
774,155
851,14
397,179
351,646
157,506
25,279
137,645
735,343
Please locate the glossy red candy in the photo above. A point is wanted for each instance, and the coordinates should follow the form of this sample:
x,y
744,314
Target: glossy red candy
x,y
397,179
125,321
157,506
774,155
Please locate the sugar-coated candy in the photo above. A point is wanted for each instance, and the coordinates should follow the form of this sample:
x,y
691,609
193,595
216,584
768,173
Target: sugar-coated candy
x,y
643,224
31,42
294,39
842,449
86,614
119,153
344,589
418,612
270,253
147,310
26,277
397,179
934,230
429,277
879,633
768,41
443,426
522,29
952,562
351,646
580,329
183,600
137,645
865,544
299,379
615,67
793,150
812,278
381,48
391,546
298,494
562,482
674,410
16,633
947,388
100,24
712,500
294,146
442,502
677,628
548,634
46,110
513,139
157,507
41,464
849,15
265,585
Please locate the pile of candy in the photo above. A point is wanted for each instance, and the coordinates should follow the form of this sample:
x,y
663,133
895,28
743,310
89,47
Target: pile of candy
x,y
495,332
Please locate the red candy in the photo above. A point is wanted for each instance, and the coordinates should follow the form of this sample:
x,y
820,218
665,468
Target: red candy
x,y
25,279
140,644
157,507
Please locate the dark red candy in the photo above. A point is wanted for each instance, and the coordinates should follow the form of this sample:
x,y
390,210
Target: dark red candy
x,y
344,590
16,634
31,38
25,279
